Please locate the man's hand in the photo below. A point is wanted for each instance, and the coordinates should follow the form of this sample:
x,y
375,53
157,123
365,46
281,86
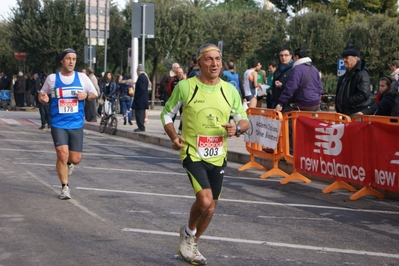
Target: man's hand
x,y
230,129
279,85
177,143
43,97
81,95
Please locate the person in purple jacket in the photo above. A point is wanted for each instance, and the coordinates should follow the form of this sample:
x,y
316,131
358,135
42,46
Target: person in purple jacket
x,y
303,88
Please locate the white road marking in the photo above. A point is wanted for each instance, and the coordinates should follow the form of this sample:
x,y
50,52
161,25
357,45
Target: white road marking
x,y
98,154
29,141
73,201
272,244
296,218
151,172
240,201
36,121
10,121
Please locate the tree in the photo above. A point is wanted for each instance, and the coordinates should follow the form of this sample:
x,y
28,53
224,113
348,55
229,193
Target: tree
x,y
44,31
366,7
197,4
243,31
119,38
277,39
8,63
240,4
376,38
344,7
297,5
178,33
320,34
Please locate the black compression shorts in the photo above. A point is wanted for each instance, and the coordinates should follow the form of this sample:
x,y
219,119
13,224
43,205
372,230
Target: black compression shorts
x,y
205,175
71,137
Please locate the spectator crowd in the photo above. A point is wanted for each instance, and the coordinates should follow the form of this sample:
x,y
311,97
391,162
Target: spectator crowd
x,y
291,83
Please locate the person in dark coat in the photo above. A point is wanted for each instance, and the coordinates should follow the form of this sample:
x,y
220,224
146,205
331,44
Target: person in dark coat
x,y
281,75
140,100
353,88
19,90
303,88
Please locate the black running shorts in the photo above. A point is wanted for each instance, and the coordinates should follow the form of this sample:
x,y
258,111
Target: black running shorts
x,y
71,137
205,175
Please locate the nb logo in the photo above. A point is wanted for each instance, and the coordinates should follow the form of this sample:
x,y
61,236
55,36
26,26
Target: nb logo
x,y
329,139
395,161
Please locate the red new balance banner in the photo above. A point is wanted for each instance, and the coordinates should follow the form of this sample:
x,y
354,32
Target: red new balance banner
x,y
358,152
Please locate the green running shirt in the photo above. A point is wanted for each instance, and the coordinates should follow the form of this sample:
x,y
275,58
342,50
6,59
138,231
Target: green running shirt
x,y
205,109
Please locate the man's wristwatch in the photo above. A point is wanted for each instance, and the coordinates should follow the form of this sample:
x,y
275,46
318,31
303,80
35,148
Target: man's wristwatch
x,y
238,130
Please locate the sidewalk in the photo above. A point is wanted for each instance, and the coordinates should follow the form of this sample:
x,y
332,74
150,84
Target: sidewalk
x,y
154,134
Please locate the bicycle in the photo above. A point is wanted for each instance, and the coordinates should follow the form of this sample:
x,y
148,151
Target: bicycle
x,y
109,118
326,101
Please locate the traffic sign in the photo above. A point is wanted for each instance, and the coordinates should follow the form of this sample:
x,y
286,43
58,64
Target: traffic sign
x,y
89,57
340,67
19,55
137,20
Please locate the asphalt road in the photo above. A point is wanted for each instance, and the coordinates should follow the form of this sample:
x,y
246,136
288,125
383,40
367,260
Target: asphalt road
x,y
129,199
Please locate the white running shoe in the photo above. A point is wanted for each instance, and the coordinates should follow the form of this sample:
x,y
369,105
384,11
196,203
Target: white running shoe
x,y
70,169
65,193
198,258
188,250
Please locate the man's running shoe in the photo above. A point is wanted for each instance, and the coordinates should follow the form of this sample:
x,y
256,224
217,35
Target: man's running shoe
x,y
188,250
70,168
198,258
65,193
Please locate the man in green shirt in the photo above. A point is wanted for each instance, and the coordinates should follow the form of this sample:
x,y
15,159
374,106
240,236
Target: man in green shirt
x,y
207,103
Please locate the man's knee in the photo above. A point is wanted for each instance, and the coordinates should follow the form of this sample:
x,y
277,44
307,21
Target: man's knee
x,y
75,157
205,198
62,153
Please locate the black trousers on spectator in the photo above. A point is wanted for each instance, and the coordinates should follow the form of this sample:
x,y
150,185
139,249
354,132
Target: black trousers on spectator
x,y
28,97
90,110
140,116
20,99
44,110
